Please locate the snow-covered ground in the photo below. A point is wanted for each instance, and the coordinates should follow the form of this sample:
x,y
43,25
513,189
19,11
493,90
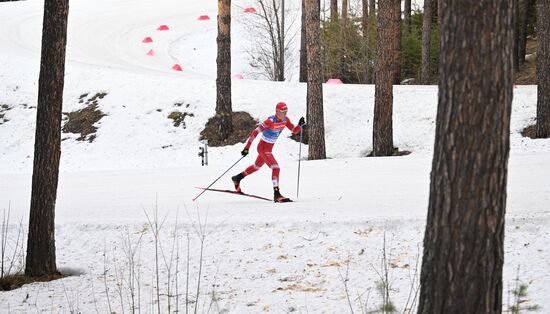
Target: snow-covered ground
x,y
258,256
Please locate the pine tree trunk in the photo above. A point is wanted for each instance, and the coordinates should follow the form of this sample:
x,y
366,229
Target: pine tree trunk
x,y
316,124
223,80
435,11
41,259
282,44
408,15
516,24
303,47
365,17
372,41
426,38
279,59
385,75
333,10
439,10
345,10
524,14
463,244
397,43
372,7
543,69
365,26
342,73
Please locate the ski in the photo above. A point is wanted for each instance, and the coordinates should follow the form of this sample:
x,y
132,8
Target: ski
x,y
284,200
236,193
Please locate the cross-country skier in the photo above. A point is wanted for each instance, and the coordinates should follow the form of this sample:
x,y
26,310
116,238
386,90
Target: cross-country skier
x,y
271,128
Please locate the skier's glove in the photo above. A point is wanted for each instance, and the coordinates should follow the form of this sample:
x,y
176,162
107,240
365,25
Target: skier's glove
x,y
244,152
302,122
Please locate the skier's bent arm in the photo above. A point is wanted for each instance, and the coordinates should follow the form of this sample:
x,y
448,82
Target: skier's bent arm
x,y
294,129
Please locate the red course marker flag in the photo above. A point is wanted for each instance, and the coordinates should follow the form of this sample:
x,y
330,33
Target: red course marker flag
x,y
203,18
163,28
147,40
177,67
151,53
249,10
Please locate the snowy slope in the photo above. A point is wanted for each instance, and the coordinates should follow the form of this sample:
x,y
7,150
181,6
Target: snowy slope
x,y
258,256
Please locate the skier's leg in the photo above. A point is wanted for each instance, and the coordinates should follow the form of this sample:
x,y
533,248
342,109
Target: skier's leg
x,y
263,147
275,169
251,169
272,163
255,166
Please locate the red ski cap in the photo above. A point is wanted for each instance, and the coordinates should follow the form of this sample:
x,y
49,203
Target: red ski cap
x,y
281,106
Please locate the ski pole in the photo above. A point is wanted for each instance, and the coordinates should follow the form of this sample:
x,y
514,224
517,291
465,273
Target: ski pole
x,y
299,160
218,178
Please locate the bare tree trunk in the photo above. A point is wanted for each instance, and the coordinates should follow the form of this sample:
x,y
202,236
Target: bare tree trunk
x,y
303,47
385,75
426,38
372,7
524,14
435,11
316,124
543,69
397,43
365,26
439,12
464,240
342,73
282,44
345,8
280,54
365,17
372,41
516,25
223,80
272,58
41,259
408,15
333,10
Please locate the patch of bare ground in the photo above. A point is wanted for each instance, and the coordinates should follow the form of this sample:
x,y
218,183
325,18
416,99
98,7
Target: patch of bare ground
x,y
179,118
243,125
83,121
396,152
3,109
16,281
530,132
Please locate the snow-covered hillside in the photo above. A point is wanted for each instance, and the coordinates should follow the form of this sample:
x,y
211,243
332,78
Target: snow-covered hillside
x,y
258,256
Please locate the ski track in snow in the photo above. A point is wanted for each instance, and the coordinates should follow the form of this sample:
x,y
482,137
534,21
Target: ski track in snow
x,y
258,256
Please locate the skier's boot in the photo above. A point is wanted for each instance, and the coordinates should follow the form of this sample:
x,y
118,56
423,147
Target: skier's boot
x,y
237,181
278,198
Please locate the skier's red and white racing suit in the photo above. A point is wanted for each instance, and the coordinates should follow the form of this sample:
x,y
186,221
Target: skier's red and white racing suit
x,y
270,129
